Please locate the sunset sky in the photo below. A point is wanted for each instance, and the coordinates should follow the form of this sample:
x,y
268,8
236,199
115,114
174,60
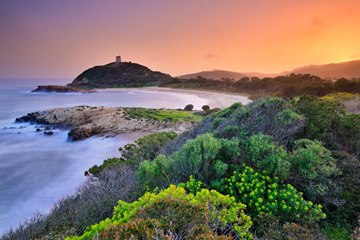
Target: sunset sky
x,y
41,38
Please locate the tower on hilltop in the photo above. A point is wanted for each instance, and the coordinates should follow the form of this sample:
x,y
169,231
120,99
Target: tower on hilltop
x,y
118,59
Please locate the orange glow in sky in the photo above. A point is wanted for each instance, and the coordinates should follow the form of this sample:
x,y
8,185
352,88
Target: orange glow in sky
x,y
63,38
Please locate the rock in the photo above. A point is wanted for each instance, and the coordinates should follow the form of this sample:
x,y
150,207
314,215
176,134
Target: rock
x,y
61,89
38,130
30,117
99,121
189,107
206,108
84,132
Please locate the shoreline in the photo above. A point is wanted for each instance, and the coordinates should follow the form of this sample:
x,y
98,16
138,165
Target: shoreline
x,y
87,121
218,98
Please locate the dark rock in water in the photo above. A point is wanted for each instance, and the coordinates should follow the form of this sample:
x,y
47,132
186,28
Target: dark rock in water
x,y
61,89
19,132
81,133
30,117
48,133
47,128
38,130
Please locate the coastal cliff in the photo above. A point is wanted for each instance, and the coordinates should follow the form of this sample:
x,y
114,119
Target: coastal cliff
x,y
86,121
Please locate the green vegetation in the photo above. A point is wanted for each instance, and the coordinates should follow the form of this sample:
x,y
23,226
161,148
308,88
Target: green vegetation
x,y
173,212
285,86
205,158
161,114
143,149
274,169
266,195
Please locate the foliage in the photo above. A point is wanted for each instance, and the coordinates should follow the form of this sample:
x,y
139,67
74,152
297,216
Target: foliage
x,y
193,186
285,86
337,232
108,164
349,133
263,194
182,214
274,117
322,116
313,167
269,227
161,115
262,152
145,148
205,158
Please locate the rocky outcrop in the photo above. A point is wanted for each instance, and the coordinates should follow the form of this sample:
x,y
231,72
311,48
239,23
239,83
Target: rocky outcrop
x,y
61,89
87,121
125,74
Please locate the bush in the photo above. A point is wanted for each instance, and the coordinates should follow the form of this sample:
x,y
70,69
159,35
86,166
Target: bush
x,y
265,195
172,212
205,158
269,227
262,152
312,168
144,149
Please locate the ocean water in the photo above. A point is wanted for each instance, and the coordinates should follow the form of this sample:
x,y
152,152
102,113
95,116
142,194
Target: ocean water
x,y
36,170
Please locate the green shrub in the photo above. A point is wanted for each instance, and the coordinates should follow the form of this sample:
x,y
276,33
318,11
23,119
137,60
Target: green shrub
x,y
262,152
174,211
206,158
337,232
144,149
313,166
266,195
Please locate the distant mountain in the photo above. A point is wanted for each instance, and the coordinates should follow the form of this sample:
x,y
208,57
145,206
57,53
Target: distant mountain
x,y
348,70
125,74
214,74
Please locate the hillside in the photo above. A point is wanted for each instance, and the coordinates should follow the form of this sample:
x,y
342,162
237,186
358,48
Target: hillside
x,y
270,168
125,74
214,74
348,70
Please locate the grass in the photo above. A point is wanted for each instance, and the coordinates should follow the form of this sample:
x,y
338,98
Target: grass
x,y
162,114
340,96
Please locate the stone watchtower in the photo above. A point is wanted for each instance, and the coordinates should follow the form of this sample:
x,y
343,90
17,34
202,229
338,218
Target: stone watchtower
x,y
118,59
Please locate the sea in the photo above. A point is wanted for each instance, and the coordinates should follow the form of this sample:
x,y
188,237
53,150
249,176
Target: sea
x,y
36,170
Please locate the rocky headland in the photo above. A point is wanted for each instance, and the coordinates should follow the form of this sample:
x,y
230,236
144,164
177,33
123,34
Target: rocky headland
x,y
61,89
87,121
124,74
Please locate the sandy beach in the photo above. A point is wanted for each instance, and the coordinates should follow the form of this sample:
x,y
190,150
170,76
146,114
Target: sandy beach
x,y
216,99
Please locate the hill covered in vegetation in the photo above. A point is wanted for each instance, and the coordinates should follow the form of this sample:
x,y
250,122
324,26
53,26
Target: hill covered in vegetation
x,y
274,169
124,74
349,69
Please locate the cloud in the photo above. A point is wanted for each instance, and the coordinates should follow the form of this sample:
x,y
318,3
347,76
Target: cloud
x,y
211,55
314,28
